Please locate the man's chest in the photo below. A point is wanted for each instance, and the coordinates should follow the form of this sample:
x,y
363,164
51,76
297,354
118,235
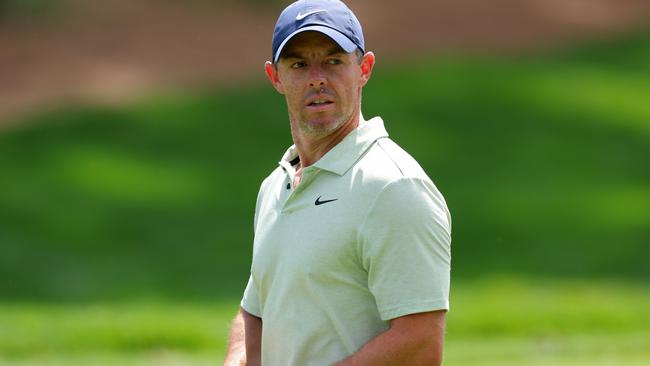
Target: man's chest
x,y
309,235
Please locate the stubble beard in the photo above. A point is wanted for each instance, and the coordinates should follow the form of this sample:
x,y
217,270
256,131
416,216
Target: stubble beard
x,y
316,129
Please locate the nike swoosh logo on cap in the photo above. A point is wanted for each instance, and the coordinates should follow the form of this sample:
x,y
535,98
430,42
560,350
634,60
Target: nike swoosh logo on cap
x,y
303,16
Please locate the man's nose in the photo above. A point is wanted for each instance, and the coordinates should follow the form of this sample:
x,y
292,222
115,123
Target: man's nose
x,y
317,76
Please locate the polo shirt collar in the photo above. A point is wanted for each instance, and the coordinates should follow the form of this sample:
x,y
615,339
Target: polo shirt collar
x,y
346,153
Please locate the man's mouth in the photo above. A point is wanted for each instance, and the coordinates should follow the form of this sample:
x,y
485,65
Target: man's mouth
x,y
319,102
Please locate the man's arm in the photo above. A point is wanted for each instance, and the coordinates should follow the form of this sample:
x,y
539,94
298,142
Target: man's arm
x,y
244,344
415,339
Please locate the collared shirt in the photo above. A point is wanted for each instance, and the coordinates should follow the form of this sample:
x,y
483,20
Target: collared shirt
x,y
364,238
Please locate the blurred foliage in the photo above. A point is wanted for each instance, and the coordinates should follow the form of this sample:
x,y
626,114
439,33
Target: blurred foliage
x,y
275,4
542,159
29,10
35,11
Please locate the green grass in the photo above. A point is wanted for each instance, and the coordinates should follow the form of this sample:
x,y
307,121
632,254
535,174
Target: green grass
x,y
125,233
574,350
542,159
493,321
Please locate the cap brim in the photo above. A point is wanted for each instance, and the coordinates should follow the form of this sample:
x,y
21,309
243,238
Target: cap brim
x,y
346,44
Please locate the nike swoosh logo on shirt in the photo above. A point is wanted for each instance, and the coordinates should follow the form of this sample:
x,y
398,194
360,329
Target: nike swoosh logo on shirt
x,y
303,16
319,202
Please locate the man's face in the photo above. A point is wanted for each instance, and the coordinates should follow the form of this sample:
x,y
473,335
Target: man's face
x,y
321,83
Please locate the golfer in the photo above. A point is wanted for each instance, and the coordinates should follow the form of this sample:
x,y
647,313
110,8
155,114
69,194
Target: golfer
x,y
351,256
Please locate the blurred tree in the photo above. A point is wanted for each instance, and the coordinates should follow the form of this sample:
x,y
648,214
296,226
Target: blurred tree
x,y
26,9
3,10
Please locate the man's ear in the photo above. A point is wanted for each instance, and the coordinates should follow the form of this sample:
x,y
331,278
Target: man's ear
x,y
367,64
272,74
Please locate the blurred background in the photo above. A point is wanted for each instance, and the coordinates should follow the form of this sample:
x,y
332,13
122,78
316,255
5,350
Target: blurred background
x,y
134,136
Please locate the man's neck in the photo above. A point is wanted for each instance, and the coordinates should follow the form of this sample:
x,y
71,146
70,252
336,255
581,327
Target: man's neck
x,y
311,149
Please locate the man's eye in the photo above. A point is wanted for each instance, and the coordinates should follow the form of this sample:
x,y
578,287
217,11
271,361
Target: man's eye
x,y
297,65
334,61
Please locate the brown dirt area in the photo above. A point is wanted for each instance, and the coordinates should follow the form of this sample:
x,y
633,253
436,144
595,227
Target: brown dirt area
x,y
113,51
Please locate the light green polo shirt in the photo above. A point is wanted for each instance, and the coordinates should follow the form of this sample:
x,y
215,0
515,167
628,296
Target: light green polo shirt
x,y
364,238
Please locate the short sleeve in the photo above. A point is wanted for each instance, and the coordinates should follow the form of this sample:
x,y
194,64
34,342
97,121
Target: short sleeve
x,y
250,302
406,248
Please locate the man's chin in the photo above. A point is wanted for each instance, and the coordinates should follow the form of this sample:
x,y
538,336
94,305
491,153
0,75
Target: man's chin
x,y
321,130
321,126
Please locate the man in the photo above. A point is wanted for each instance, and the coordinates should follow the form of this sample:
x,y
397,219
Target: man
x,y
351,256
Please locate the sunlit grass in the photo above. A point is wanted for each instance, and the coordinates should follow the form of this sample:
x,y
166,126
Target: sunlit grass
x,y
570,350
118,176
156,357
497,321
139,330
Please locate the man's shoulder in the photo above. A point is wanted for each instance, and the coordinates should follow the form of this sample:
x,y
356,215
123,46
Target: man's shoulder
x,y
387,161
400,187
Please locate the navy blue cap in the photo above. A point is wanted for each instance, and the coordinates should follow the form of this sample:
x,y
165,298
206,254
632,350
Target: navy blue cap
x,y
330,17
